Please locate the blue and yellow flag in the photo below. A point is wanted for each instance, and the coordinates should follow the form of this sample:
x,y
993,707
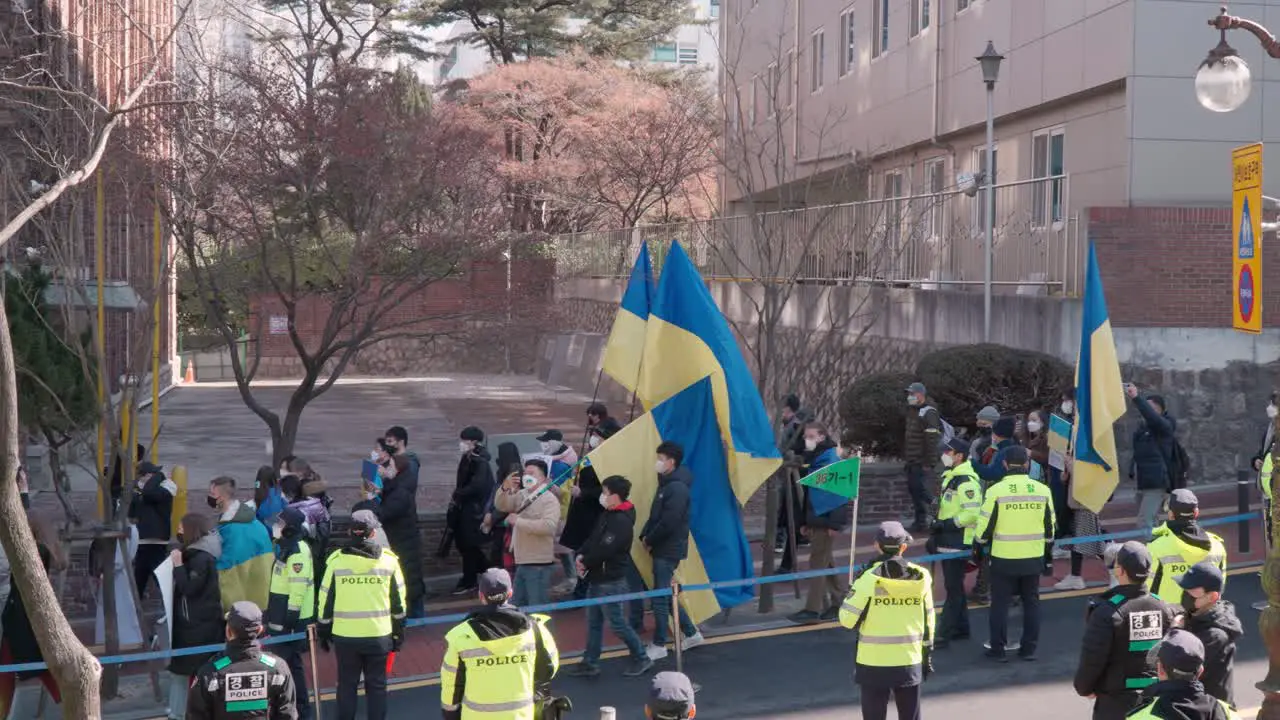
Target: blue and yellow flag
x,y
1099,400
687,339
718,550
625,349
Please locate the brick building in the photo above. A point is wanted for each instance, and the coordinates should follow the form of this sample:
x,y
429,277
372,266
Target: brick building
x,y
77,60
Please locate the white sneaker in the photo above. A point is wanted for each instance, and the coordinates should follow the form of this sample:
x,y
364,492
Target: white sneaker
x,y
655,652
691,641
1070,582
1061,553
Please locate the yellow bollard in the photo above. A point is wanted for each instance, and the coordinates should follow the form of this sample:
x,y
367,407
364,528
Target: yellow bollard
x,y
179,478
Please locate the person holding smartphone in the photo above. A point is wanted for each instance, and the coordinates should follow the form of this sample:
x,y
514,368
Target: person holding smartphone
x,y
1153,456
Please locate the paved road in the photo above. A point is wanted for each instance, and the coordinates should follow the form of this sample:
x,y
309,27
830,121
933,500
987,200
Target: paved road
x,y
809,674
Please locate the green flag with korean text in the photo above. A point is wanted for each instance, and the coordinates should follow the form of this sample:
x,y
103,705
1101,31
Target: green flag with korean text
x,y
833,485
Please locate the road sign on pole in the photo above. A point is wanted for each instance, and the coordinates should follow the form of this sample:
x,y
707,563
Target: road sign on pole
x,y
1246,236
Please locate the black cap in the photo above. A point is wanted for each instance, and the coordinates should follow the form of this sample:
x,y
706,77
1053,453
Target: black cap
x,y
495,585
1134,558
957,445
1016,455
791,402
1181,651
363,522
1204,575
1184,503
473,433
550,435
670,696
892,534
917,387
146,468
1003,427
245,619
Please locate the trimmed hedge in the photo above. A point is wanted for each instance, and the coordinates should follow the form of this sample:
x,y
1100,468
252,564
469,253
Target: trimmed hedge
x,y
961,381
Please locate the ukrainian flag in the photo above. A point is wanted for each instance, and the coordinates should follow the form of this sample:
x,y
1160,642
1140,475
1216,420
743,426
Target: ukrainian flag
x,y
687,339
718,549
625,349
1099,400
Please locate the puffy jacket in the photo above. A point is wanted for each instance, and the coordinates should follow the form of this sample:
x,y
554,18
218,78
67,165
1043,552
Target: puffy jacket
x,y
1153,448
666,532
398,513
244,569
583,510
207,698
824,509
606,555
533,531
993,472
1218,628
924,432
197,603
151,507
471,495
1123,624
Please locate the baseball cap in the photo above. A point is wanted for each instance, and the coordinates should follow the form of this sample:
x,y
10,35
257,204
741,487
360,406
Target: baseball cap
x,y
245,618
1204,575
1181,651
955,444
1015,454
550,435
670,696
146,467
917,387
1183,503
364,521
1134,558
495,585
892,534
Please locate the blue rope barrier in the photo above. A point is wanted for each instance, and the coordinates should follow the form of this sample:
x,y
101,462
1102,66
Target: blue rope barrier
x,y
625,597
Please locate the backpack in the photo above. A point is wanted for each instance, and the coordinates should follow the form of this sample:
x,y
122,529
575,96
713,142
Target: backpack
x,y
1179,466
948,432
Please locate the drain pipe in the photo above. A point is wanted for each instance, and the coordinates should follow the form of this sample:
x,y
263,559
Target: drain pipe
x,y
939,15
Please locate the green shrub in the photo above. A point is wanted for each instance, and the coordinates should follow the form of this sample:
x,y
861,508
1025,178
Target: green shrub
x,y
963,379
873,410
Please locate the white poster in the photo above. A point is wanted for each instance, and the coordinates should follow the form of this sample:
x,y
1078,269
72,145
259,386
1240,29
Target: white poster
x,y
164,578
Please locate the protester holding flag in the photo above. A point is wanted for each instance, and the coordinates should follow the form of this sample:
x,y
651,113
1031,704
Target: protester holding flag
x,y
826,516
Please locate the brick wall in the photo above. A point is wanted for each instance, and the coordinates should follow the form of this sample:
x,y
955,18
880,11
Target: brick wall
x,y
1171,266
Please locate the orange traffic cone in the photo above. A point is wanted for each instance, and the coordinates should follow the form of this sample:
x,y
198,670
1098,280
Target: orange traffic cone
x,y
190,377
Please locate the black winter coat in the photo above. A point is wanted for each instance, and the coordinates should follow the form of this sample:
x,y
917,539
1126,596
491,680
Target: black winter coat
x,y
1106,661
666,532
18,632
1153,448
1182,700
1218,628
151,507
398,514
207,698
471,495
606,555
197,604
584,510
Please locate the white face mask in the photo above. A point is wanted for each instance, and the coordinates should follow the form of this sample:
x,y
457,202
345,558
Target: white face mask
x,y
464,446
1068,407
913,400
1272,411
810,444
550,446
604,501
948,459
593,441
1035,426
661,467
373,455
528,481
277,532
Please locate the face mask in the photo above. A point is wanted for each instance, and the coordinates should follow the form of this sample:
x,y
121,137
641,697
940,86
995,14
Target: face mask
x,y
913,400
604,501
373,455
1035,426
1272,411
661,467
1068,407
181,540
984,430
550,447
213,502
277,532
464,446
949,460
594,441
810,444
1188,603
528,481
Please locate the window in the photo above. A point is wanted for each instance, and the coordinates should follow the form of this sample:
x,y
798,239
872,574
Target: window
x,y
688,55
664,52
1047,150
935,183
817,59
962,4
979,200
913,18
715,8
788,91
880,28
924,14
848,37
772,87
893,191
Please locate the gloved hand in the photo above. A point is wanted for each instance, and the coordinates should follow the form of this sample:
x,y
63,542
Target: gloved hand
x,y
931,545
324,644
927,665
323,637
978,550
1047,571
397,641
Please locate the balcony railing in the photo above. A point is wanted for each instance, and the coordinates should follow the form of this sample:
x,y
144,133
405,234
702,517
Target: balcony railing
x,y
931,241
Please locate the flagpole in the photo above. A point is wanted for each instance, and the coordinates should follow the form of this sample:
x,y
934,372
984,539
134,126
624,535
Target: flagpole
x,y
853,539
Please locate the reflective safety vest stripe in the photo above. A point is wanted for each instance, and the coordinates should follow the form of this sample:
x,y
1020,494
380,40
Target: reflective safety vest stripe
x,y
894,625
294,578
1024,520
963,502
360,596
1264,476
495,678
1172,557
1147,712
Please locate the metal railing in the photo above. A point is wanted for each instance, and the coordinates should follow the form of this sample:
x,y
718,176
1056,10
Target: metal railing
x,y
930,241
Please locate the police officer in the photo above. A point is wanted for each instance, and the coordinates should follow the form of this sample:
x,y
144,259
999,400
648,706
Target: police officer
x,y
1015,528
670,697
362,612
891,606
291,605
1181,543
1124,623
498,663
1178,695
953,532
242,681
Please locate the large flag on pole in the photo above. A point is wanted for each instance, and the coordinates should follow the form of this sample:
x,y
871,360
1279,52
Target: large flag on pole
x,y
1099,399
718,550
687,339
623,352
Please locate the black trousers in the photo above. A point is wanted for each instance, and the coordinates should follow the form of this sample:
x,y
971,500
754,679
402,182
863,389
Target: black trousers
x,y
1003,589
955,610
352,663
291,653
875,702
919,491
474,559
145,561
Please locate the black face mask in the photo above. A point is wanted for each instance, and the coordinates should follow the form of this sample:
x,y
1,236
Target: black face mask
x,y
985,431
1188,603
213,502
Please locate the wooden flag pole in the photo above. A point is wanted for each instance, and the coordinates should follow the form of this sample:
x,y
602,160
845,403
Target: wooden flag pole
x,y
677,634
853,539
315,671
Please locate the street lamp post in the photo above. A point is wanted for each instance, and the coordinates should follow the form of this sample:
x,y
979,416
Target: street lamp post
x,y
990,61
1223,83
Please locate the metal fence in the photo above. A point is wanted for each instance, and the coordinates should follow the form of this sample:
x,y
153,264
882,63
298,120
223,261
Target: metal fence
x,y
928,241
